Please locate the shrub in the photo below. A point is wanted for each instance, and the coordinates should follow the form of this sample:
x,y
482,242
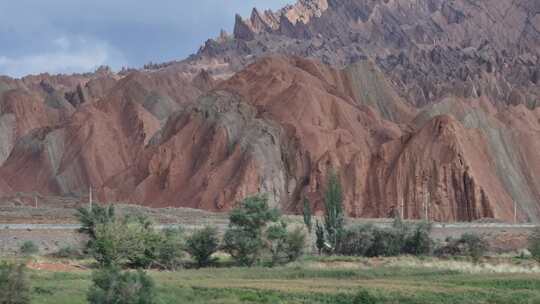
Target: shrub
x,y
364,297
68,252
356,241
468,244
534,244
284,246
295,243
202,244
132,239
29,248
112,286
386,242
475,245
243,239
14,286
418,241
171,250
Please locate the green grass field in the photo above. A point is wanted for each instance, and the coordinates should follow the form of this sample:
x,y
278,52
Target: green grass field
x,y
313,280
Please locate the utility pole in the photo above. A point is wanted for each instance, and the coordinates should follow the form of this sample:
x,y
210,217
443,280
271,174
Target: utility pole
x,y
515,213
90,198
36,201
402,209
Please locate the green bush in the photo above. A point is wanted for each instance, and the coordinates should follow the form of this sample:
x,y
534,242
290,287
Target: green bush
x,y
475,245
364,297
112,286
356,241
14,286
29,248
295,243
171,250
468,244
243,239
91,218
284,246
418,241
386,242
244,246
68,252
202,244
131,240
534,244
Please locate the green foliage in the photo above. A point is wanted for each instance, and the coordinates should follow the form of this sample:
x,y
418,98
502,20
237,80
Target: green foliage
x,y
364,297
295,243
131,240
475,245
68,252
468,244
91,218
319,234
202,244
418,240
29,248
401,238
534,244
171,250
14,286
284,246
243,246
386,242
243,239
253,214
112,286
308,217
356,241
334,219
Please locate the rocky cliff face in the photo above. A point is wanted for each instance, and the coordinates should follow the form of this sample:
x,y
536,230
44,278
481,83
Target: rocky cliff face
x,y
429,108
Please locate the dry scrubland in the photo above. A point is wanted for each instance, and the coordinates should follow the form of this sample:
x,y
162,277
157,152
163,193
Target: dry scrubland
x,y
317,280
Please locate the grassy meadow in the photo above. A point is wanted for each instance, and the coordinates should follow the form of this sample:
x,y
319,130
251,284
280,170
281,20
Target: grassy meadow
x,y
322,280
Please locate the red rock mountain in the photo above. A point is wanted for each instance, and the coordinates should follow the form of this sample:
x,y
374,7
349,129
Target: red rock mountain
x,y
428,107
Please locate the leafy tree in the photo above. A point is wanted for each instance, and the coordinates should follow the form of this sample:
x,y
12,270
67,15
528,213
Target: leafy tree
x,y
243,239
14,286
202,244
319,233
243,246
534,244
418,241
29,248
308,215
276,236
112,286
171,250
91,218
111,244
334,217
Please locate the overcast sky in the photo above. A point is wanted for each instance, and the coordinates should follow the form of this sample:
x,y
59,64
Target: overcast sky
x,y
64,36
